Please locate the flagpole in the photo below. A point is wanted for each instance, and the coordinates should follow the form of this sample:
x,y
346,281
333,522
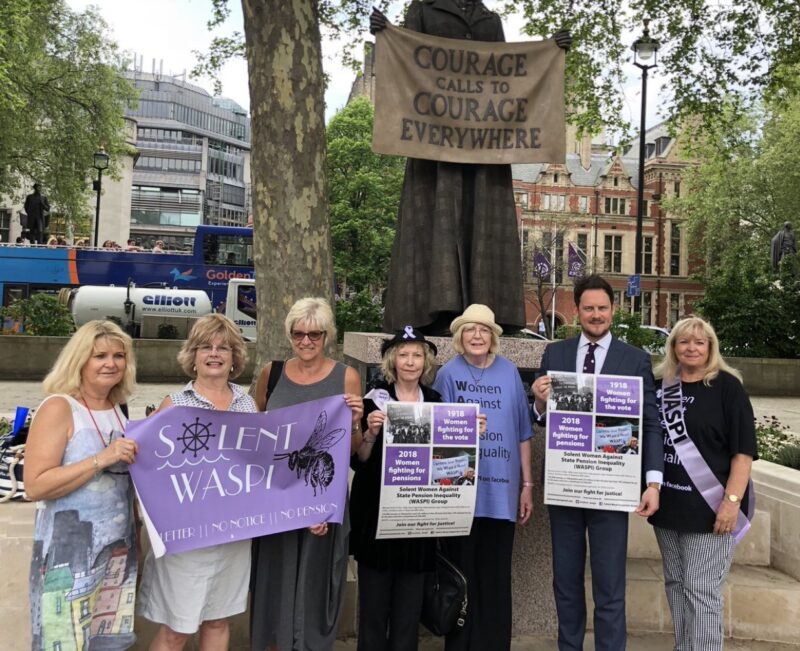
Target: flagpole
x,y
553,247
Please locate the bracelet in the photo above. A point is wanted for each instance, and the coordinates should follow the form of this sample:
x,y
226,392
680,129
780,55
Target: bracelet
x,y
527,484
367,439
95,465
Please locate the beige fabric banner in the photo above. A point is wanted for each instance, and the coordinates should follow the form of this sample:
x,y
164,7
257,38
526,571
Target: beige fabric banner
x,y
468,102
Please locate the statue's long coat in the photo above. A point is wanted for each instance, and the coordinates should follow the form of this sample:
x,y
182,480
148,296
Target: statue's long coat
x,y
457,241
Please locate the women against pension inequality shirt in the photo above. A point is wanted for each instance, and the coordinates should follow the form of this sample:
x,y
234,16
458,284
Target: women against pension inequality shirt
x,y
719,421
498,392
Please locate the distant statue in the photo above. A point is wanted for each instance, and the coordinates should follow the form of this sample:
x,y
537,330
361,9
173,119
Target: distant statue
x,y
783,244
37,208
457,239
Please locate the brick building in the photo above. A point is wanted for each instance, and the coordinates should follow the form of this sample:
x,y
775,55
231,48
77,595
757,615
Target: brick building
x,y
590,201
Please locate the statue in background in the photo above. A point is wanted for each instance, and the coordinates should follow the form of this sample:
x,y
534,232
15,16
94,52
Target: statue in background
x,y
783,244
457,240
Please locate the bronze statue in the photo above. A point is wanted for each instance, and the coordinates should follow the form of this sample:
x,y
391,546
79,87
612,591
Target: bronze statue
x,y
37,209
457,239
783,244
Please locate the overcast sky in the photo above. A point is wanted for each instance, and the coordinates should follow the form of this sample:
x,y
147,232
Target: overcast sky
x,y
169,31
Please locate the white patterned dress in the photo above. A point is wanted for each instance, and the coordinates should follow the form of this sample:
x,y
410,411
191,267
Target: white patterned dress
x,y
83,570
183,590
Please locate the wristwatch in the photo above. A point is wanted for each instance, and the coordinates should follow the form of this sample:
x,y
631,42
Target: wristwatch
x,y
732,498
654,484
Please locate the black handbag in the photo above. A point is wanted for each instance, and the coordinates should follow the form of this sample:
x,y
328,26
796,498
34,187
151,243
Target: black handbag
x,y
444,602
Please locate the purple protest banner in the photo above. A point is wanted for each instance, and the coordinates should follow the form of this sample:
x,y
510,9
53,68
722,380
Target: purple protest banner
x,y
619,396
541,266
576,262
207,477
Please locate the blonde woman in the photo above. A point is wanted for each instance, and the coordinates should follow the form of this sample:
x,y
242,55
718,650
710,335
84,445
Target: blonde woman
x,y
709,448
76,468
391,573
299,576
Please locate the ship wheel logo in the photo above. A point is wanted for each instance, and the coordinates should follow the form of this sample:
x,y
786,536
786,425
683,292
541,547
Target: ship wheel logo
x,y
195,437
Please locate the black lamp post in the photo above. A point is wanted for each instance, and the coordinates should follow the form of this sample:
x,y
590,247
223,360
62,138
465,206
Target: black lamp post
x,y
100,164
645,49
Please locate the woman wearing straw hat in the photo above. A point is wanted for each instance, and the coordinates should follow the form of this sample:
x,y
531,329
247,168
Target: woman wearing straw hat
x,y
391,573
505,487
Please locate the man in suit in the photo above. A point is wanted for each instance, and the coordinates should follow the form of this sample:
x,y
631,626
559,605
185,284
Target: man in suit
x,y
596,351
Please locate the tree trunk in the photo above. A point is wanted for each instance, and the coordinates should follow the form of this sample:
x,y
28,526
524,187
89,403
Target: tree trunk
x,y
291,237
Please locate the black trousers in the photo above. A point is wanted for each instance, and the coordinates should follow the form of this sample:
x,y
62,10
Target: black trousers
x,y
389,608
485,558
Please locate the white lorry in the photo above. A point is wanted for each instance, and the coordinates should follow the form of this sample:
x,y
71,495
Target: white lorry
x,y
141,310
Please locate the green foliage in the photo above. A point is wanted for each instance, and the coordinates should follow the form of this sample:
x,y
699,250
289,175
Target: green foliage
x,y
364,194
41,315
789,456
707,50
61,97
568,330
358,314
739,195
772,437
628,327
338,20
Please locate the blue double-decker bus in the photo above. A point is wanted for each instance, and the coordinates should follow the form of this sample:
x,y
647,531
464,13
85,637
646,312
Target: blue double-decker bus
x,y
219,254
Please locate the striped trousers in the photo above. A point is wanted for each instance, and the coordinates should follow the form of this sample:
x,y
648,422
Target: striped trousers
x,y
695,568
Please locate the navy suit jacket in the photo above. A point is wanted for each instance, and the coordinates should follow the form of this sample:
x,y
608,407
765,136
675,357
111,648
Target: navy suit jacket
x,y
621,359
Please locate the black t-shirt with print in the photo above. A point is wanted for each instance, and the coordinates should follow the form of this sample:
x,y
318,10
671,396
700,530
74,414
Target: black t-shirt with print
x,y
719,421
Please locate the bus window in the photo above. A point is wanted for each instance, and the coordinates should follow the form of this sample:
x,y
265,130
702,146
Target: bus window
x,y
210,249
232,250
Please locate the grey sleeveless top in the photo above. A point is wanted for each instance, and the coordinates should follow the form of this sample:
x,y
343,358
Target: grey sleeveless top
x,y
287,393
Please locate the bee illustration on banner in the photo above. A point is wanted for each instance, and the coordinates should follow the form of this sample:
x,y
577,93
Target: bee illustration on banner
x,y
313,461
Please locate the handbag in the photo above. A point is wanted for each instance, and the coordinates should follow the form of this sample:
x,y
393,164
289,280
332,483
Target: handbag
x,y
444,601
11,463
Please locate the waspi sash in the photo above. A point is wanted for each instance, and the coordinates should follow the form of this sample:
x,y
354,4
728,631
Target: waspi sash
x,y
704,480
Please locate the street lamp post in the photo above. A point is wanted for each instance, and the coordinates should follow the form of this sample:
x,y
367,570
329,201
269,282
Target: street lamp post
x,y
100,164
644,49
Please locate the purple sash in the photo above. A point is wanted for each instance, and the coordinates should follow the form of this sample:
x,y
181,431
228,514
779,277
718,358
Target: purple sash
x,y
704,480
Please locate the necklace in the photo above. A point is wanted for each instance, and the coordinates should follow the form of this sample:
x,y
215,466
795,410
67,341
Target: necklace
x,y
97,429
477,380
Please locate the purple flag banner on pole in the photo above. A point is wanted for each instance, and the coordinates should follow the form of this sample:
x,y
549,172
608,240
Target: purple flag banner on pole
x,y
576,263
541,265
206,477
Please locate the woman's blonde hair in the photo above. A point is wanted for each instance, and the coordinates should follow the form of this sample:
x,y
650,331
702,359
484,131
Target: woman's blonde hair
x,y
688,327
204,330
317,313
459,346
389,363
65,376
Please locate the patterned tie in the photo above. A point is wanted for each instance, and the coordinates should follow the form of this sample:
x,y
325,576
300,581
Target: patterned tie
x,y
588,361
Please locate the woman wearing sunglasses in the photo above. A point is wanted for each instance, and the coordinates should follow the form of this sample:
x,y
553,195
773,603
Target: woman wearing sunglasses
x,y
298,577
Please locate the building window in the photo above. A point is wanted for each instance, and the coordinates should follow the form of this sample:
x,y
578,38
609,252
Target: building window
x,y
647,308
616,181
84,608
555,179
562,202
57,645
675,250
521,198
583,242
615,206
677,189
5,225
58,605
647,255
644,207
612,254
557,261
674,309
583,204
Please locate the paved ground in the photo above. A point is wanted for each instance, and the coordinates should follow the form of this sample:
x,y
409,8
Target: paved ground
x,y
29,394
636,642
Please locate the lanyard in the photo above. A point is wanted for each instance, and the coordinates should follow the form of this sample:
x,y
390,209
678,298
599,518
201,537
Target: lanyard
x,y
97,429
